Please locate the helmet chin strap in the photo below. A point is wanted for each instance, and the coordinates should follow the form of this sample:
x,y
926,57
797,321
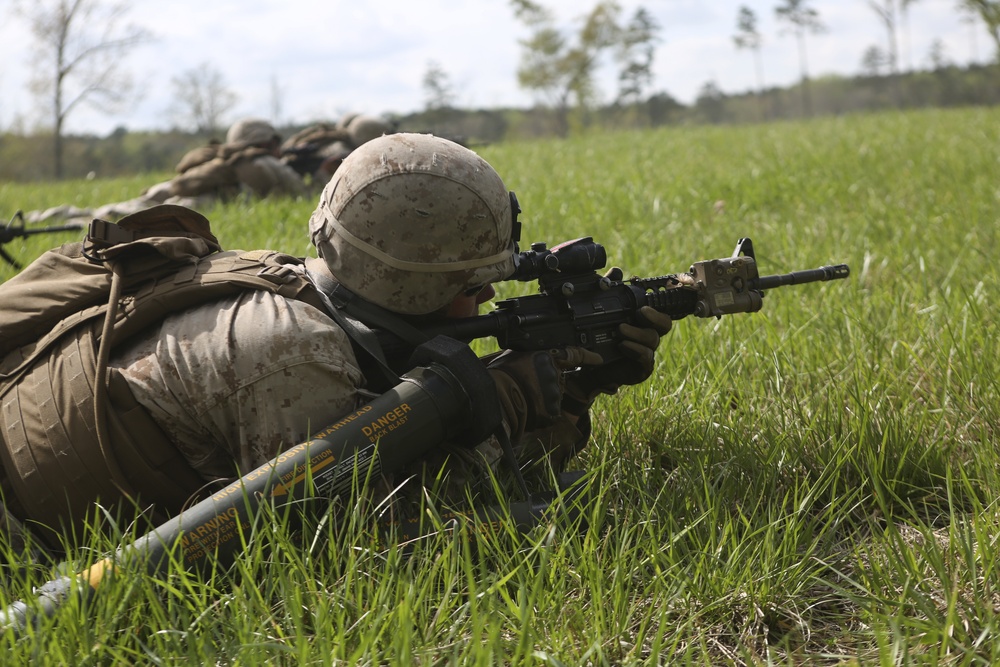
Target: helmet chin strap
x,y
346,301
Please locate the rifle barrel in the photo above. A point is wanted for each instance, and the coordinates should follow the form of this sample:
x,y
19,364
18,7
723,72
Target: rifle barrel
x,y
834,272
9,233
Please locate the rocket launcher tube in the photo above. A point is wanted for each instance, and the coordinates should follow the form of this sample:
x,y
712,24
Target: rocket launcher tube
x,y
449,398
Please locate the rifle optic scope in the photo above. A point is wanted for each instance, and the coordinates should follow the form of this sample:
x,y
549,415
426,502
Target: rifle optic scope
x,y
571,257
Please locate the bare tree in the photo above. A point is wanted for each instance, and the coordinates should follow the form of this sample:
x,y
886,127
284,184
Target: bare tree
x,y
988,11
970,19
888,12
937,55
892,13
438,91
80,57
276,100
201,99
904,15
748,37
802,20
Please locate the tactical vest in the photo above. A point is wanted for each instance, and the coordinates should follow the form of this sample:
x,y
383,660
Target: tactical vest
x,y
69,437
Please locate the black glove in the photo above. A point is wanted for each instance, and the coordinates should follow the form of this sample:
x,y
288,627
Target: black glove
x,y
638,349
530,385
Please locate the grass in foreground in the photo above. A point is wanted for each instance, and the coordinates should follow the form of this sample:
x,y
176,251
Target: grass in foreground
x,y
812,484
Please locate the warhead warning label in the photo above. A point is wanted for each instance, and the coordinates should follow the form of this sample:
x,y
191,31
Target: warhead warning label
x,y
386,423
212,533
337,480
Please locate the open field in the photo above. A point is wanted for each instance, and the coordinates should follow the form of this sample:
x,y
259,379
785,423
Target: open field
x,y
815,483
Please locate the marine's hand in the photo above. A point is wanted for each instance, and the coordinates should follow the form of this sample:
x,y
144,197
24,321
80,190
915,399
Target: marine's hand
x,y
530,385
638,349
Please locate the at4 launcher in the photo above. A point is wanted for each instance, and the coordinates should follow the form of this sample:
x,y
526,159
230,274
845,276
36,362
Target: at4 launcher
x,y
577,306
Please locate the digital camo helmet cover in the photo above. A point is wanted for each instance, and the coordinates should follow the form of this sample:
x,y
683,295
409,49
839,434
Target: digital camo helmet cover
x,y
365,128
410,221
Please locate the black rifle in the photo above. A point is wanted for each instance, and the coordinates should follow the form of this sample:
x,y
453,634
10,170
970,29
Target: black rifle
x,y
15,231
577,306
304,159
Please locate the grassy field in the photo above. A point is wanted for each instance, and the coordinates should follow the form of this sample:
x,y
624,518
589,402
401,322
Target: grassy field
x,y
815,483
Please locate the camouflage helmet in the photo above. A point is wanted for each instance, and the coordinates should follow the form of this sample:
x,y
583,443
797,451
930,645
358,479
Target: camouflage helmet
x,y
338,149
410,221
252,131
346,119
363,129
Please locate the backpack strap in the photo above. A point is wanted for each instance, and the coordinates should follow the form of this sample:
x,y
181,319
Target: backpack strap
x,y
167,478
101,388
362,337
128,436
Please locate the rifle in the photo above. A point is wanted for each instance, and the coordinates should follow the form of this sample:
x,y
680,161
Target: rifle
x,y
576,306
304,159
448,395
11,231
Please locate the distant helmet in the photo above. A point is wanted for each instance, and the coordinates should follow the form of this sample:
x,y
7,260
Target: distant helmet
x,y
346,119
335,149
365,128
410,221
252,131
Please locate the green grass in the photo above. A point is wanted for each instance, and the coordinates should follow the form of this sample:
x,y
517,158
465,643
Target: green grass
x,y
815,483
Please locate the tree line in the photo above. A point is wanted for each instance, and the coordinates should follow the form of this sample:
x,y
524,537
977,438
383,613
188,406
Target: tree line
x,y
28,157
82,44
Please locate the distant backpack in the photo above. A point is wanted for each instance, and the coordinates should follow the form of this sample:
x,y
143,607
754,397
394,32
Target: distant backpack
x,y
212,170
70,430
197,156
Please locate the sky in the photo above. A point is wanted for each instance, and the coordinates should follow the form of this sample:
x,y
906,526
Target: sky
x,y
325,59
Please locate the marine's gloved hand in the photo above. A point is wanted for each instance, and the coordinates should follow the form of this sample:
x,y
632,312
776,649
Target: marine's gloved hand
x,y
530,385
638,349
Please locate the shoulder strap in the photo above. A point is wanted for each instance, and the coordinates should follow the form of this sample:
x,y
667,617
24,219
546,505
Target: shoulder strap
x,y
357,330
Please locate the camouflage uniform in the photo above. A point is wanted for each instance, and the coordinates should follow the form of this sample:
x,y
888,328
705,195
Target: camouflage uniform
x,y
246,163
239,379
409,223
317,151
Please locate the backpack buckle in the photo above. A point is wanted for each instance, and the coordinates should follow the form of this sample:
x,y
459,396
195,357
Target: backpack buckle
x,y
103,234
